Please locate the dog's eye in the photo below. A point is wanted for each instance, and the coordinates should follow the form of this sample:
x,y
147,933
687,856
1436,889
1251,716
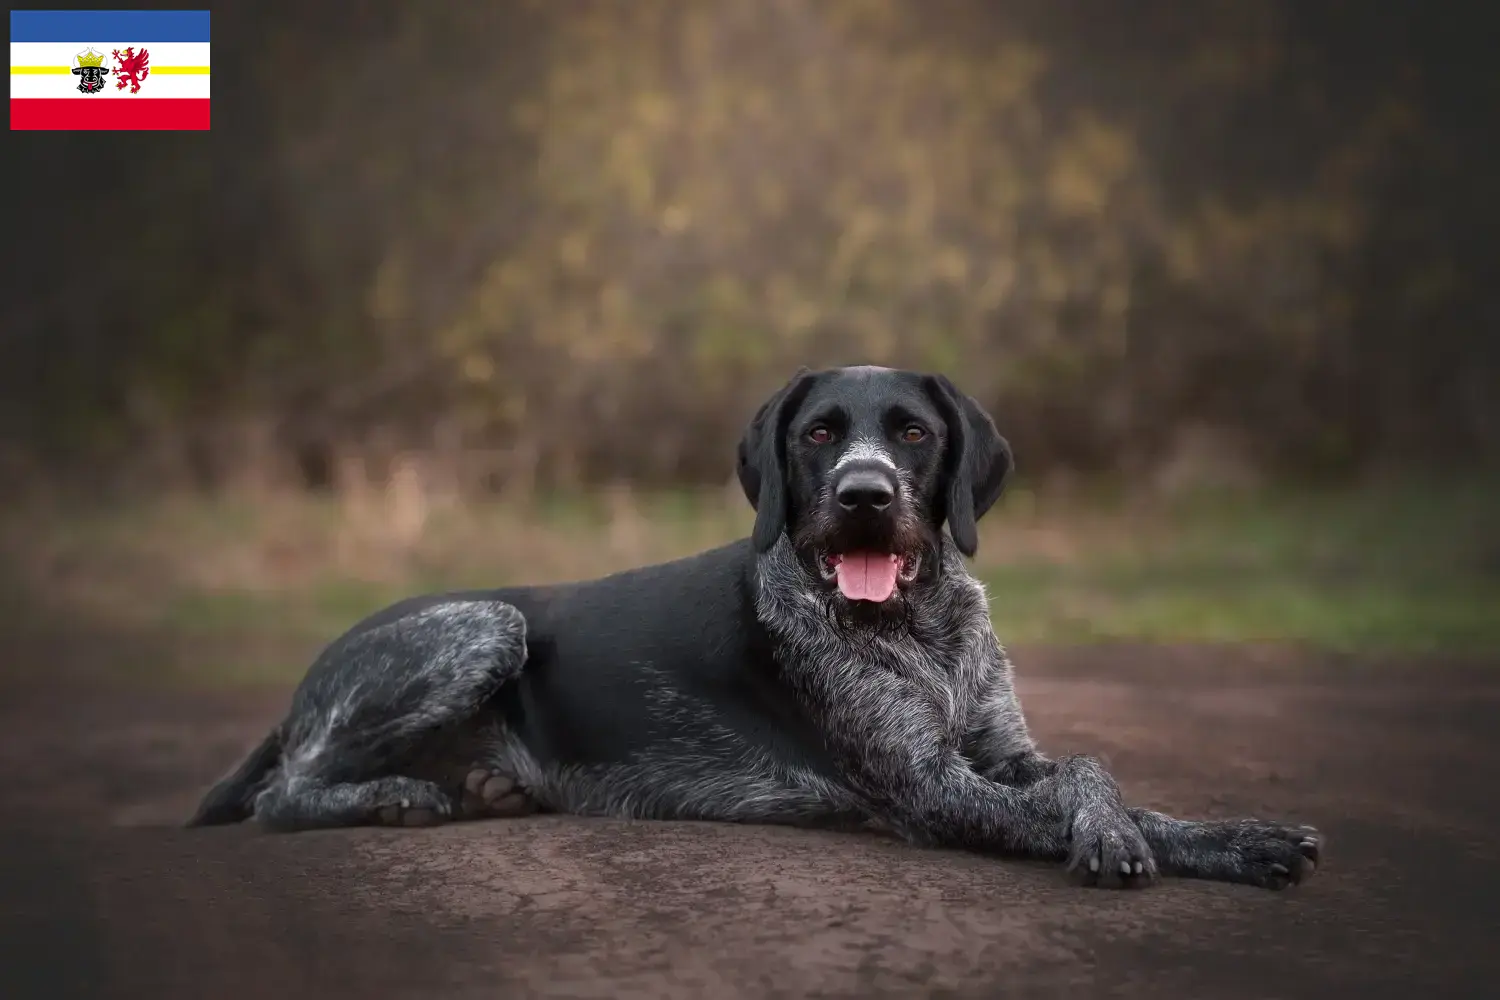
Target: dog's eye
x,y
820,435
913,434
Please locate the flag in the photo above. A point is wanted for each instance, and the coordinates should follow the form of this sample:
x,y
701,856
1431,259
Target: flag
x,y
109,69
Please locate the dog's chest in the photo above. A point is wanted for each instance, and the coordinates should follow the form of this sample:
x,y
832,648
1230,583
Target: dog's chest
x,y
944,675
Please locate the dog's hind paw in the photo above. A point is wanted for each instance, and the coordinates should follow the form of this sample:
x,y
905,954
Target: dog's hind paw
x,y
1109,851
490,794
410,802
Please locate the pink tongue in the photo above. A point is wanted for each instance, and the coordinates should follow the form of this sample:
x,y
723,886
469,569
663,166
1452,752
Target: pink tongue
x,y
867,576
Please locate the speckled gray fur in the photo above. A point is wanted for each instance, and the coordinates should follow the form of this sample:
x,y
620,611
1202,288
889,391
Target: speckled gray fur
x,y
916,726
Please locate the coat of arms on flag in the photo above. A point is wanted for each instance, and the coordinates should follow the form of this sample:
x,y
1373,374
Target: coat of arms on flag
x,y
101,69
90,69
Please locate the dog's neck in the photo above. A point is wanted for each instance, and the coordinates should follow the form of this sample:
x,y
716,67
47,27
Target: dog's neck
x,y
797,607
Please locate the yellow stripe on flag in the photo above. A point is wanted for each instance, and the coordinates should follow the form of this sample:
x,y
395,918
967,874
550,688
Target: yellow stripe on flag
x,y
162,70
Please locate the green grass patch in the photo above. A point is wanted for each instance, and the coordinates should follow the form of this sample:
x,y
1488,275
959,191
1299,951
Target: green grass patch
x,y
1413,569
1084,606
247,592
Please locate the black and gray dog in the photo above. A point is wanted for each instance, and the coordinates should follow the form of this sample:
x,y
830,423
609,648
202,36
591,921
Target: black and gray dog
x,y
838,668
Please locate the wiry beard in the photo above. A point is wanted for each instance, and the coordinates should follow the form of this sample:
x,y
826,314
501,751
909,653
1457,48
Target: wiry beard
x,y
861,619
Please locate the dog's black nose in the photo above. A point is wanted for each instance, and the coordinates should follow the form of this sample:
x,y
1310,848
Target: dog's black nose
x,y
865,490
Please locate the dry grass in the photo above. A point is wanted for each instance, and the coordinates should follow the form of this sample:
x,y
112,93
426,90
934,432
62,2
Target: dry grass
x,y
278,575
92,560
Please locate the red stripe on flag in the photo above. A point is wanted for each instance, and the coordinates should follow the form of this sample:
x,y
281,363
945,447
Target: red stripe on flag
x,y
111,114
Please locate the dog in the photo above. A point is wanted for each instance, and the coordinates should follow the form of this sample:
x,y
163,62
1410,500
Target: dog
x,y
836,669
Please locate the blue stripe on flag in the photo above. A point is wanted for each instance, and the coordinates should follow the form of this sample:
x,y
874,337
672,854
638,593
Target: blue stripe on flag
x,y
109,26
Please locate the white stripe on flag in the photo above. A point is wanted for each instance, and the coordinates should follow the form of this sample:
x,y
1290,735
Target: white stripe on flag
x,y
62,53
41,85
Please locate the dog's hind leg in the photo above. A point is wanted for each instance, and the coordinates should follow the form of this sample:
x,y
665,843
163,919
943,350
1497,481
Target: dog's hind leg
x,y
233,797
377,704
388,801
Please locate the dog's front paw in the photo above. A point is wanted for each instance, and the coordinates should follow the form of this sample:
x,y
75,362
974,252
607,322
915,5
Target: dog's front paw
x,y
1107,849
1271,855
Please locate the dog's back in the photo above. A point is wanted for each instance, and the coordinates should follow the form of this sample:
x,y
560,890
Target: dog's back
x,y
670,652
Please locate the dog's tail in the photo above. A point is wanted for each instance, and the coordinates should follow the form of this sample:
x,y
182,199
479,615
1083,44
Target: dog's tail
x,y
232,800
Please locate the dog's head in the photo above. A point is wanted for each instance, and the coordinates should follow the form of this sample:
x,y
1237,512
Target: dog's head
x,y
862,467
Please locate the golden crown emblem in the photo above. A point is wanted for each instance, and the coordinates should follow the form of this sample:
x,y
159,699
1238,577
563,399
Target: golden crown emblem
x,y
90,58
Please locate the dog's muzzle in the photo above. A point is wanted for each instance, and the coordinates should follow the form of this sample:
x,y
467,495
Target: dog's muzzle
x,y
864,555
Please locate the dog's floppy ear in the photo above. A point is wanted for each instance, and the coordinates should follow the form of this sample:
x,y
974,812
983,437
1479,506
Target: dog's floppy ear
x,y
977,462
762,459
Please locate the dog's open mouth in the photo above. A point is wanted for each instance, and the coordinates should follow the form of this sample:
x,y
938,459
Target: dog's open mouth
x,y
869,576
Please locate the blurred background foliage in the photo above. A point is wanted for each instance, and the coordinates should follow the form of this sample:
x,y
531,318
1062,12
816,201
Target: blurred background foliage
x,y
538,245
462,293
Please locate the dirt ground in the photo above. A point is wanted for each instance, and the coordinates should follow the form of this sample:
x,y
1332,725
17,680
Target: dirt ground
x,y
1397,762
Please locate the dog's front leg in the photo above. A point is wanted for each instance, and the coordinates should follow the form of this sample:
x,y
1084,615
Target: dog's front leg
x,y
892,747
1101,824
999,748
1252,852
1249,851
